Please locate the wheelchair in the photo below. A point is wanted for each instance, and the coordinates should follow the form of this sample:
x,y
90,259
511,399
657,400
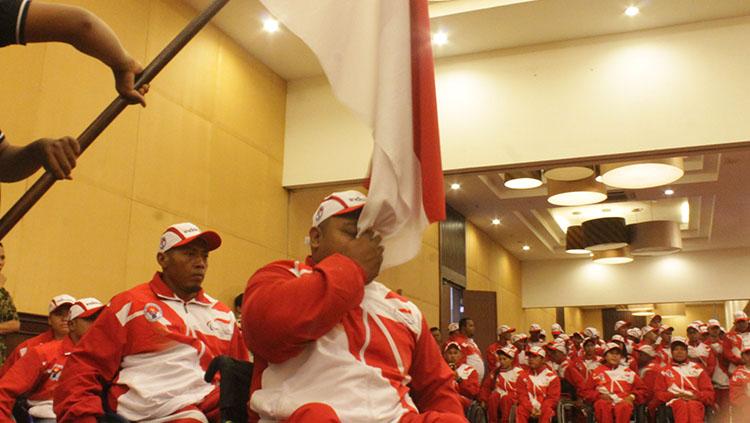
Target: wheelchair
x,y
664,414
475,413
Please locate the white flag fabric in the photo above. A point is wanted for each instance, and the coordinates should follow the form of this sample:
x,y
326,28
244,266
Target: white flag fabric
x,y
378,59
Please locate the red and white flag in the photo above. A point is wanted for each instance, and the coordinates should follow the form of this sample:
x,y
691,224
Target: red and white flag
x,y
377,55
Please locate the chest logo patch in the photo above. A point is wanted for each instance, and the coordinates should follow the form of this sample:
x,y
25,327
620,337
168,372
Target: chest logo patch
x,y
54,373
152,312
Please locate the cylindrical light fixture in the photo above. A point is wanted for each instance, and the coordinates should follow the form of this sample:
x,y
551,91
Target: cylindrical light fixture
x,y
614,256
655,238
670,309
576,193
642,174
569,173
523,179
606,233
575,241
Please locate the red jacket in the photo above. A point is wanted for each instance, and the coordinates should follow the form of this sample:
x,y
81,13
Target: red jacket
x,y
617,383
687,377
467,383
470,350
538,389
739,391
720,376
733,347
648,375
24,347
154,348
319,334
702,354
502,382
491,357
35,376
569,373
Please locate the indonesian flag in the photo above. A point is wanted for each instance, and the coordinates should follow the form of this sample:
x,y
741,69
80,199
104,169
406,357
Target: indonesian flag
x,y
378,59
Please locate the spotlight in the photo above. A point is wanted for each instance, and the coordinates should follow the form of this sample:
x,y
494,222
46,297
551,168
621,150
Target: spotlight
x,y
455,186
270,25
440,38
632,11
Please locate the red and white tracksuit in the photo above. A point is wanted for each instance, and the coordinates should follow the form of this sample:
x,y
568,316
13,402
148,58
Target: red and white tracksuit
x,y
617,384
24,347
466,384
501,394
648,375
586,366
537,390
739,392
685,378
328,347
704,355
472,353
568,372
720,379
490,355
733,348
154,348
34,376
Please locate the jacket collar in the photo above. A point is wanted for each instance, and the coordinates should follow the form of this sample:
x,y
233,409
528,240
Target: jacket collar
x,y
160,288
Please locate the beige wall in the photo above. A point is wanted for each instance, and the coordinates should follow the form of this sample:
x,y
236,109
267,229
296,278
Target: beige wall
x,y
208,149
573,319
695,312
591,318
491,268
637,91
418,280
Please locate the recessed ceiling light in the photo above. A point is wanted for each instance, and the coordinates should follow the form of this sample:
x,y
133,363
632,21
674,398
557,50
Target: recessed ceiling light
x,y
495,221
526,248
668,192
440,38
632,11
455,186
270,25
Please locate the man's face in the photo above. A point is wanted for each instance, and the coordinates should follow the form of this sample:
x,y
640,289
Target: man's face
x,y
506,362
556,355
746,358
535,361
80,326
714,331
741,325
332,235
666,336
469,329
679,353
438,337
650,336
693,335
58,320
452,356
185,266
577,341
535,335
589,348
613,358
623,331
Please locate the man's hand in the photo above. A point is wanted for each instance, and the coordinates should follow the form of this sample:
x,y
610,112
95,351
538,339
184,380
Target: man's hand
x,y
57,155
629,399
536,412
367,252
125,75
605,397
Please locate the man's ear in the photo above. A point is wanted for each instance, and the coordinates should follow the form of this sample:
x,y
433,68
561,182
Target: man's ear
x,y
162,259
315,234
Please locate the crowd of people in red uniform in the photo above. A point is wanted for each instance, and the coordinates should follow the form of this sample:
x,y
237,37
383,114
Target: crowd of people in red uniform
x,y
527,375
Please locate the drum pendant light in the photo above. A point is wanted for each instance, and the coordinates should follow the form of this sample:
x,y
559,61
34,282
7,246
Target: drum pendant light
x,y
606,233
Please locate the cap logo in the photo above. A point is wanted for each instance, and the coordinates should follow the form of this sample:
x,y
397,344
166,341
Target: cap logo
x,y
190,230
162,243
152,312
319,213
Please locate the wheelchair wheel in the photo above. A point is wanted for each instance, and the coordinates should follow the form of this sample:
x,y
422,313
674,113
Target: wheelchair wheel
x,y
476,414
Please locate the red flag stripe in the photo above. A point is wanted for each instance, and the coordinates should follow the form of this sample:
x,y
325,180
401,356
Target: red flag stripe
x,y
425,120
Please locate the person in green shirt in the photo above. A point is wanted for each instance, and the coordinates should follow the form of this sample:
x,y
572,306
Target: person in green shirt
x,y
9,321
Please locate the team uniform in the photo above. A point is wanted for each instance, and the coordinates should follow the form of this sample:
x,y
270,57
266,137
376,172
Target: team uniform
x,y
490,355
35,376
472,353
330,348
733,343
466,384
687,377
502,395
739,392
154,348
618,384
538,390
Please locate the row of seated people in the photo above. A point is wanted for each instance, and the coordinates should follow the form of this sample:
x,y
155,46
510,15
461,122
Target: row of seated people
x,y
650,368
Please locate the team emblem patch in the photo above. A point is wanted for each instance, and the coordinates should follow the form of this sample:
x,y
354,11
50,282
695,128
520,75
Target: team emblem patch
x,y
152,312
54,373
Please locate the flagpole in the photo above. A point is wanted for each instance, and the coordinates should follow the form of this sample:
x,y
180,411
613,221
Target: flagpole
x,y
89,135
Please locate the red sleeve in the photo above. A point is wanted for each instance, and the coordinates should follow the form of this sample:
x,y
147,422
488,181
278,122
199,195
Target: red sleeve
x,y
95,360
711,362
432,379
12,358
18,380
553,394
705,389
737,391
574,377
660,389
490,356
588,391
282,312
639,390
649,380
731,350
523,391
469,387
488,384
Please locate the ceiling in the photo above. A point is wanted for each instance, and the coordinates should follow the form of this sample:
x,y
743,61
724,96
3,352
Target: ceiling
x,y
480,25
716,188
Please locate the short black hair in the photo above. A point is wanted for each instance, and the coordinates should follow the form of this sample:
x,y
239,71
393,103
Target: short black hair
x,y
434,328
463,322
238,300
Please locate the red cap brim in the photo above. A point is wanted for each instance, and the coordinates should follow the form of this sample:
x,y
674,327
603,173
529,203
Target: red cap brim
x,y
213,240
89,313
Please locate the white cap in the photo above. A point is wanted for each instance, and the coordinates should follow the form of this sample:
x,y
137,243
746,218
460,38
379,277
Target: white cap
x,y
535,327
557,329
518,336
337,204
635,332
183,233
508,350
452,327
617,337
85,307
678,340
590,332
609,346
621,323
740,315
647,329
646,349
695,326
58,301
558,345
451,344
714,322
536,350
505,329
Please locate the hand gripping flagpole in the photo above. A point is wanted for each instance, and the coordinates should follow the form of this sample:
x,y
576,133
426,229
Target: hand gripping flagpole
x,y
45,182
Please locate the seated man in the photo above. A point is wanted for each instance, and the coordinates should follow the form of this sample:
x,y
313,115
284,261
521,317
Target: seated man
x,y
614,388
35,375
684,386
58,308
571,379
648,369
500,391
465,377
472,355
538,389
154,342
331,344
504,333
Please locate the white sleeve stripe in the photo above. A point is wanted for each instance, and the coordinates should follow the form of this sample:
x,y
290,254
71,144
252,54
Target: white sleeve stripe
x,y
19,18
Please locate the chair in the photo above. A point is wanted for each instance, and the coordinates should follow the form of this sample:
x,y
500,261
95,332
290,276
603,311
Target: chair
x,y
475,413
234,386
